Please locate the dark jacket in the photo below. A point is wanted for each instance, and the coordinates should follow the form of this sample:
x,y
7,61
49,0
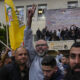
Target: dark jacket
x,y
12,72
57,76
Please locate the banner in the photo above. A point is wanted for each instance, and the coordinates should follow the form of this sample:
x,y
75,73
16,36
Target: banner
x,y
62,18
60,45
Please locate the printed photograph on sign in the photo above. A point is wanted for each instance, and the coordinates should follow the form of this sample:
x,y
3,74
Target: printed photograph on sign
x,y
20,15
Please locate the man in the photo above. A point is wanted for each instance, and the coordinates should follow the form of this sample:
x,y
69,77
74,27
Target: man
x,y
17,70
50,69
58,60
65,64
5,58
38,34
73,72
59,55
37,54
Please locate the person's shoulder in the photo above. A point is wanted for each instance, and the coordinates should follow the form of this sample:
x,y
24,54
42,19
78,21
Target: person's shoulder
x,y
5,69
8,67
60,75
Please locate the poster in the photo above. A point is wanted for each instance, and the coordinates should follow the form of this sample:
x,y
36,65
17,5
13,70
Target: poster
x,y
62,18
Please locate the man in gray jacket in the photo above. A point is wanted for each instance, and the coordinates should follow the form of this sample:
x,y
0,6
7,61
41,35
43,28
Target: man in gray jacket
x,y
37,54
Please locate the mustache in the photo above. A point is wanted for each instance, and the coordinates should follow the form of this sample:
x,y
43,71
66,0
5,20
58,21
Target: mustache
x,y
77,66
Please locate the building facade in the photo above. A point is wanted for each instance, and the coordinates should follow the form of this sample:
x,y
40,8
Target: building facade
x,y
22,6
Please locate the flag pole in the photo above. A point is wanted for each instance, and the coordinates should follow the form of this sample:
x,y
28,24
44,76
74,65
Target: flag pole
x,y
4,44
6,28
7,33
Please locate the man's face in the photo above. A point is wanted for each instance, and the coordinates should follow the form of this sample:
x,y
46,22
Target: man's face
x,y
21,56
74,59
64,60
48,71
41,47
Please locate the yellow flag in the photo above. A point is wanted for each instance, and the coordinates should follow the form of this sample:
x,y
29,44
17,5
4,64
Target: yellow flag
x,y
16,32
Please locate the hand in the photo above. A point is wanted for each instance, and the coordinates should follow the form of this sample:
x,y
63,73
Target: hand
x,y
30,15
13,52
7,49
31,11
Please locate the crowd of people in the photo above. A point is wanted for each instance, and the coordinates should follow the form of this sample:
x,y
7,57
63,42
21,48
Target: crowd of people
x,y
61,34
29,63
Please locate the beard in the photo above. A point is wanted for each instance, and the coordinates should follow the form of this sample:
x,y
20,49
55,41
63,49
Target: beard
x,y
46,78
77,66
72,74
19,62
42,53
75,76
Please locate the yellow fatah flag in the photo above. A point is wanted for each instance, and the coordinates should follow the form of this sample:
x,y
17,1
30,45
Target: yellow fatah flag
x,y
16,32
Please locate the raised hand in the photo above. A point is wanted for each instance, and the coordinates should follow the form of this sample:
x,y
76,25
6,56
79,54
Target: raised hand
x,y
7,49
30,15
31,11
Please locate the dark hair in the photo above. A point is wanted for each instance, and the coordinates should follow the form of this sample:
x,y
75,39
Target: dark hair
x,y
49,61
76,44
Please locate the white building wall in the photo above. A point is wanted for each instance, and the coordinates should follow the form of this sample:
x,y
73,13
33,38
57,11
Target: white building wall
x,y
2,12
51,4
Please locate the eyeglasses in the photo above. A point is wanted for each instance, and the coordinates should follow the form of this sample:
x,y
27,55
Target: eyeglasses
x,y
41,45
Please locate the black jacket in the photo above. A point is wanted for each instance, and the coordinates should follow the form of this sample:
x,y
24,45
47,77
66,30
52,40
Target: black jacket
x,y
57,76
12,72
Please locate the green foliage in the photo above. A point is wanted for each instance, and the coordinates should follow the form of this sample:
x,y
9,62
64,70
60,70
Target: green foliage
x,y
0,24
2,37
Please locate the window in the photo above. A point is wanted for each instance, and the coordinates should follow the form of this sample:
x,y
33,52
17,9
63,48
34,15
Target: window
x,y
20,14
72,4
41,11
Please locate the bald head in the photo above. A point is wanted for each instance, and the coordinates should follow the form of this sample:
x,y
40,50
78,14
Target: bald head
x,y
41,47
20,49
21,55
